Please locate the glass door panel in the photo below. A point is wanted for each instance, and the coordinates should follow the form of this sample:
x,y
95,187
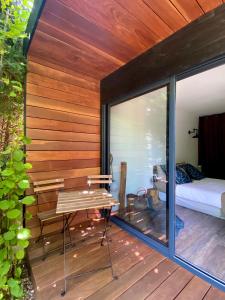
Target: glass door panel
x,y
138,162
200,156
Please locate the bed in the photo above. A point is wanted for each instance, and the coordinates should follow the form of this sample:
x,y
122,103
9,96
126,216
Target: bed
x,y
206,195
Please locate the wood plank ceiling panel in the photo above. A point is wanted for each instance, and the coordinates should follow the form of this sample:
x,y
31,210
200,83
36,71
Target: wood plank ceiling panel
x,y
113,17
65,19
190,9
168,12
144,13
97,37
209,5
61,53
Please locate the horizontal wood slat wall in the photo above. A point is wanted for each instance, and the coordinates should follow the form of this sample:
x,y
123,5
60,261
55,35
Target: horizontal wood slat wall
x,y
63,120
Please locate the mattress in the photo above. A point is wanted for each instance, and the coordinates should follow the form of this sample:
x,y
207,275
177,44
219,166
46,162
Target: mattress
x,y
207,191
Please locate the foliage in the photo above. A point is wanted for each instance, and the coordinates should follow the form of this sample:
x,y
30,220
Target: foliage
x,y
14,181
13,238
13,22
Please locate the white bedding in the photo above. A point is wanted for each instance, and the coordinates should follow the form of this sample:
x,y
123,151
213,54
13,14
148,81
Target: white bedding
x,y
206,191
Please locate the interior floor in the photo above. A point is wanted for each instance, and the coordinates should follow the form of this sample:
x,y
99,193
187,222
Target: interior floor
x,y
201,241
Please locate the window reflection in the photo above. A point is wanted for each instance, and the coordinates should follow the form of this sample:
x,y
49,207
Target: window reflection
x,y
138,146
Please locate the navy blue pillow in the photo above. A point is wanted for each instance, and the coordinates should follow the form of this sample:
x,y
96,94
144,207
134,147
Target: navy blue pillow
x,y
181,176
193,172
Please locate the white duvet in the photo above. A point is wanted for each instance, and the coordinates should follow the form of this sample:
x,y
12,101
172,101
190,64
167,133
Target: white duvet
x,y
207,191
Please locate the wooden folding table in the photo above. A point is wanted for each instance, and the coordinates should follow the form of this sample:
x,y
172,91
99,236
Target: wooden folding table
x,y
75,201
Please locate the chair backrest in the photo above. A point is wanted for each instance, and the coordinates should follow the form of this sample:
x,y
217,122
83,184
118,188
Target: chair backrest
x,y
99,179
48,185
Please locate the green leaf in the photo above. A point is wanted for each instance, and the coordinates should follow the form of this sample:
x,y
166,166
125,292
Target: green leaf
x,y
28,216
7,172
24,184
18,272
12,282
9,235
12,204
13,214
3,254
4,204
23,243
3,280
28,166
10,184
19,166
6,152
5,267
1,240
26,140
13,227
28,200
12,94
5,80
20,254
18,155
16,291
15,288
23,234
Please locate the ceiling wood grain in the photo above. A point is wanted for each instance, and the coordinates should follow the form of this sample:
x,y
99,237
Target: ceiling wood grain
x,y
94,38
209,5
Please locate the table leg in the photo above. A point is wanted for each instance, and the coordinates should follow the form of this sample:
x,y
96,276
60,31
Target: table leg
x,y
64,255
106,223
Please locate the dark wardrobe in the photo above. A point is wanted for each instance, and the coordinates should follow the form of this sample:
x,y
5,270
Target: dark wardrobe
x,y
212,145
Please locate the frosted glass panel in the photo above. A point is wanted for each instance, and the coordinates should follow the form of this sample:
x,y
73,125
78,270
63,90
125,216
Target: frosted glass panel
x,y
138,130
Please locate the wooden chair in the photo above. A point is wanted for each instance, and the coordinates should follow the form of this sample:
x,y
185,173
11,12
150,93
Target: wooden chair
x,y
50,216
99,179
102,180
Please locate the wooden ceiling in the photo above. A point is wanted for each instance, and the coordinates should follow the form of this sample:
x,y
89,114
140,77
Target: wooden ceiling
x,y
95,37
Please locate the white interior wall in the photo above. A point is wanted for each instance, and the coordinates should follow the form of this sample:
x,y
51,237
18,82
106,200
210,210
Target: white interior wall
x,y
186,146
198,95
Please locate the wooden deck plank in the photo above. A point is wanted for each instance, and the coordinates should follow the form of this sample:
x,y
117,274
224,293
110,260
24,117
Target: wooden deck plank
x,y
143,273
196,289
147,284
81,234
170,288
117,287
123,246
88,257
214,294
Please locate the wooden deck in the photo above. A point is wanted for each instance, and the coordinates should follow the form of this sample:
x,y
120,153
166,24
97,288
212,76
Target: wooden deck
x,y
143,273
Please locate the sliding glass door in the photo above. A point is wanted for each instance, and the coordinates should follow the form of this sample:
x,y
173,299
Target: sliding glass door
x,y
138,162
166,155
200,157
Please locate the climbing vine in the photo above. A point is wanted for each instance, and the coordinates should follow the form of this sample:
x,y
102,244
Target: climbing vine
x,y
13,170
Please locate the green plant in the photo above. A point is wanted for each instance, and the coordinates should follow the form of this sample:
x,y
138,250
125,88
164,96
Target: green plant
x,y
14,237
14,181
13,21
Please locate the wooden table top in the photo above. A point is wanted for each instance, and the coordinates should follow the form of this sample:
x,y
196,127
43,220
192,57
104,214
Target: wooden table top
x,y
73,201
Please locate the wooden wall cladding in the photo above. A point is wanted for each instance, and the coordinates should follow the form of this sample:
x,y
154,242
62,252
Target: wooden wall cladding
x,y
63,120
